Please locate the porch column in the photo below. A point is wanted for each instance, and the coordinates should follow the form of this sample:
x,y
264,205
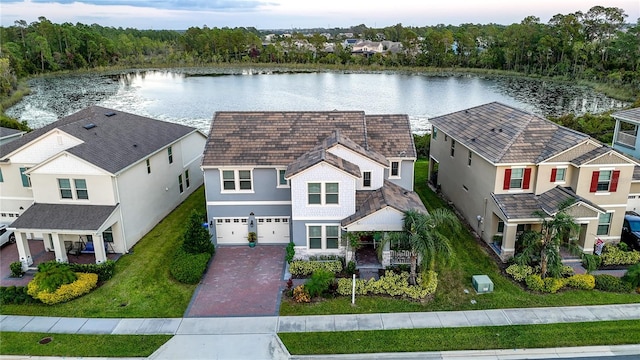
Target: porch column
x,y
98,248
24,253
508,248
59,248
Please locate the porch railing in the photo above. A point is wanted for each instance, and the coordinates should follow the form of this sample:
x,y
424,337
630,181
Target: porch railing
x,y
400,257
626,139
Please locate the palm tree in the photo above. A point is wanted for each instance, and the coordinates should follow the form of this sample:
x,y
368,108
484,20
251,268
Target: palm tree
x,y
547,241
428,235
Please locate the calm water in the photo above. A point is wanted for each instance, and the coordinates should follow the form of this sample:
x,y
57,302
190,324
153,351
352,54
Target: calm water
x,y
192,96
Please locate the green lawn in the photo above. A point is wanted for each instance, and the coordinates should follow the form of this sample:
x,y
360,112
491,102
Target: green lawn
x,y
14,343
467,338
142,286
471,258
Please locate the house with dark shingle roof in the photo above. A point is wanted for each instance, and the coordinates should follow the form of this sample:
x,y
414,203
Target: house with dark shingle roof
x,y
308,177
500,166
96,181
7,135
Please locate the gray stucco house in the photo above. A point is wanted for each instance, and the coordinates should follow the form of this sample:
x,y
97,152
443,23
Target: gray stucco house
x,y
307,177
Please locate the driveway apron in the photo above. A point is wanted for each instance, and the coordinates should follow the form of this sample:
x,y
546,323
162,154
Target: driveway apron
x,y
241,281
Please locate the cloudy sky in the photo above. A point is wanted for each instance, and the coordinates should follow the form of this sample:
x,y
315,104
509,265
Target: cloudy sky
x,y
287,14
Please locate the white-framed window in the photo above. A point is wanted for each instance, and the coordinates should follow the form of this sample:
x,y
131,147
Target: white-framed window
x,y
26,180
186,178
500,227
435,133
237,181
395,169
469,158
78,186
321,237
1,178
148,166
604,179
180,185
366,179
170,154
323,193
559,174
517,175
604,223
282,181
453,148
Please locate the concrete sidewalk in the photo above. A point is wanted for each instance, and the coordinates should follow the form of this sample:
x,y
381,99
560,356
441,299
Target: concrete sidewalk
x,y
255,337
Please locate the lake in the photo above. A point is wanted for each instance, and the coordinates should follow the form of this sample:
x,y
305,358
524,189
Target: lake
x,y
192,96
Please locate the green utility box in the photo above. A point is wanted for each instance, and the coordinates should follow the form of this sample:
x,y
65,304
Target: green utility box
x,y
482,284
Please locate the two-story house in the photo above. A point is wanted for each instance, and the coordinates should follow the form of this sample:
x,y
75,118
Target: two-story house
x,y
499,165
626,140
96,180
307,177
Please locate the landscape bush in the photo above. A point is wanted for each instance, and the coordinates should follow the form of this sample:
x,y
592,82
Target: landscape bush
x,y
16,269
591,262
632,276
307,267
610,283
84,283
300,294
319,282
51,275
196,238
15,295
188,268
552,284
581,281
519,272
613,255
291,252
567,271
391,284
535,283
104,271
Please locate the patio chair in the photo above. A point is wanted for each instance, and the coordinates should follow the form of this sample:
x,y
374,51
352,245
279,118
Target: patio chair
x,y
76,248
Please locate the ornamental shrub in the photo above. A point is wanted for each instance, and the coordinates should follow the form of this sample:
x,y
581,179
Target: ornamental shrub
x,y
632,276
188,268
196,239
15,295
16,269
613,255
306,267
519,272
300,294
535,283
105,270
291,252
552,284
392,284
52,274
84,284
610,283
319,282
581,281
567,271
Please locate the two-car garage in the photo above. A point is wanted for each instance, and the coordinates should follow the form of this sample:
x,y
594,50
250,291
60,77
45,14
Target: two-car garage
x,y
234,230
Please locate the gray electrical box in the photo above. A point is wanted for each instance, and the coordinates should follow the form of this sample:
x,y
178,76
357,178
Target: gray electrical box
x,y
482,284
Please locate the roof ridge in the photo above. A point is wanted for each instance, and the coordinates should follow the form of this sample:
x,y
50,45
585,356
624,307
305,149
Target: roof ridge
x,y
530,117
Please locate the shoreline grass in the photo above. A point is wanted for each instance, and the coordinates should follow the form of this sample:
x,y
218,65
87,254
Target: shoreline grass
x,y
74,345
463,338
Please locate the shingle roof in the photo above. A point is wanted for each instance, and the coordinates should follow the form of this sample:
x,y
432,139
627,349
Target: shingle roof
x,y
6,132
389,194
278,138
591,155
503,134
632,115
117,140
338,138
64,217
525,205
317,156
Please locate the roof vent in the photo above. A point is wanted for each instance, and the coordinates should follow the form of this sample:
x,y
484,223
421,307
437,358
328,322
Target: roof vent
x,y
89,126
473,140
499,130
109,114
493,129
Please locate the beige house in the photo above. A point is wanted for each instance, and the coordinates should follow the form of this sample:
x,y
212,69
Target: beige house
x,y
499,165
96,181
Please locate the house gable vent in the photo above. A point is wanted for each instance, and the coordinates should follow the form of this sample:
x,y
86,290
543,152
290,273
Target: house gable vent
x,y
89,126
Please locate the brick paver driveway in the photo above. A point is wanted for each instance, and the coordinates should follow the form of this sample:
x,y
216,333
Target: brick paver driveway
x,y
241,281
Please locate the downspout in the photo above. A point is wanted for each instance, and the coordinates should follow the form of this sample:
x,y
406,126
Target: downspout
x,y
124,236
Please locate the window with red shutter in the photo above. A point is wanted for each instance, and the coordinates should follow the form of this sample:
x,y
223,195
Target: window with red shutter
x,y
527,178
614,181
507,179
594,181
553,175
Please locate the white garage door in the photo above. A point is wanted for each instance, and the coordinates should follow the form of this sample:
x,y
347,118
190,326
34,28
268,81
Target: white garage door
x,y
273,230
232,230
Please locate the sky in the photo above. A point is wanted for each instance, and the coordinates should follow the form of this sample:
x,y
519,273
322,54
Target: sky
x,y
295,14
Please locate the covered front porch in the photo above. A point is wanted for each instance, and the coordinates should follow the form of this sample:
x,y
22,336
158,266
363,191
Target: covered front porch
x,y
69,231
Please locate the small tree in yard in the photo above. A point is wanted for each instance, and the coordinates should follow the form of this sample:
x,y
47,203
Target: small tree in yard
x,y
428,235
196,238
546,243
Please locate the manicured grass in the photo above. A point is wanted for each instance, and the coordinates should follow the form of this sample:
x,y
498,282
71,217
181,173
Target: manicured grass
x,y
467,338
69,345
142,285
471,258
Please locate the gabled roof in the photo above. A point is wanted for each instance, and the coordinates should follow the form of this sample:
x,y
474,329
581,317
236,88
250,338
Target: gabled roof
x,y
338,138
504,134
389,195
631,115
64,217
7,132
317,156
112,140
525,205
276,138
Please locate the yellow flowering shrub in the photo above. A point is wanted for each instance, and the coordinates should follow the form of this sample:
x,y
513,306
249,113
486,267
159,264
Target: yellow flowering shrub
x,y
85,283
392,284
581,281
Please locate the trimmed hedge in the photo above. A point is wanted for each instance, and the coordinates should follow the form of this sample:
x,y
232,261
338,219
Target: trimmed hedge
x,y
104,271
610,283
613,255
392,284
519,272
15,295
581,281
308,267
84,284
188,268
